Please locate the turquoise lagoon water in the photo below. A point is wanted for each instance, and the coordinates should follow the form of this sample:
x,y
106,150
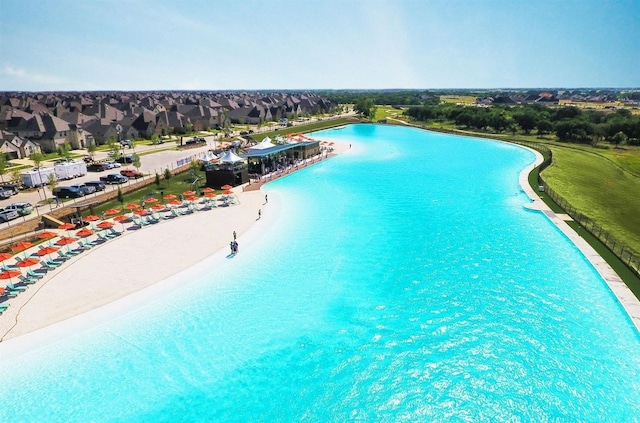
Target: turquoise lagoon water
x,y
400,281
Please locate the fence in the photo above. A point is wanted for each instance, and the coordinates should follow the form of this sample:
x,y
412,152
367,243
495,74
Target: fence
x,y
618,248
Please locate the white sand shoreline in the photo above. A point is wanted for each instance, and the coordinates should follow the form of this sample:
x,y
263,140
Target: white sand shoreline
x,y
125,273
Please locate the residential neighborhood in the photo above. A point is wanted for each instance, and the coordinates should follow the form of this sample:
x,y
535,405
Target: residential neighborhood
x,y
32,122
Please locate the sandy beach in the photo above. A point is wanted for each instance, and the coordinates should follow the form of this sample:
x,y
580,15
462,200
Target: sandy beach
x,y
116,276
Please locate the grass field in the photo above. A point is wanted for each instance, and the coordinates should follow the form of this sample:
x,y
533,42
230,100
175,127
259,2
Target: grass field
x,y
600,189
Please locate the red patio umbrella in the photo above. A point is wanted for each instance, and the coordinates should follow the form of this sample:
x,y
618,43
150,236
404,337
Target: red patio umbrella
x,y
193,198
224,187
8,274
22,245
208,190
227,192
5,256
66,240
210,195
47,235
132,206
111,212
105,225
141,212
91,218
121,218
158,207
28,262
151,200
84,232
189,193
175,203
170,197
47,250
66,226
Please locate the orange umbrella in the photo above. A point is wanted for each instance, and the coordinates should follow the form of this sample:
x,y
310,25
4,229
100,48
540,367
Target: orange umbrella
x,y
47,250
192,198
210,195
188,193
132,206
158,207
29,261
170,197
227,192
85,232
22,245
226,187
151,200
5,256
111,212
176,203
66,240
105,225
91,218
66,226
141,212
121,218
8,274
208,190
47,235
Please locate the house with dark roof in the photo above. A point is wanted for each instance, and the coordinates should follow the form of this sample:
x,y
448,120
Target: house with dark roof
x,y
16,147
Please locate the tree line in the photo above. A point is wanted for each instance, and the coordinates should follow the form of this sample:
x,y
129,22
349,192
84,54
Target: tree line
x,y
568,123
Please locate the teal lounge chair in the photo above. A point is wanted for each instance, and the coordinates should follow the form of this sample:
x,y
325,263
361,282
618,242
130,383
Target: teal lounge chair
x,y
17,288
27,280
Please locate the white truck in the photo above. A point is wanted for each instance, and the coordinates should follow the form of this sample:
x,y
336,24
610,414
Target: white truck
x,y
70,169
36,177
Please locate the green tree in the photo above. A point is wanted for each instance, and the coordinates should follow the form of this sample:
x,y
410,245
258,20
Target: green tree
x,y
91,148
136,160
37,158
120,197
157,181
64,151
3,165
365,107
114,148
52,181
167,173
619,138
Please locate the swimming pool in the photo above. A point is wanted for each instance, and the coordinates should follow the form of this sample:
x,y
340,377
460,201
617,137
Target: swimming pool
x,y
400,281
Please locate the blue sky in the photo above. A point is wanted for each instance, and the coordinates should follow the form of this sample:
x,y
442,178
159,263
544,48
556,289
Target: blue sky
x,y
317,44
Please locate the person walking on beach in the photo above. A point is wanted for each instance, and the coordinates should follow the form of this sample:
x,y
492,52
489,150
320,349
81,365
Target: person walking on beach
x,y
266,199
259,213
234,235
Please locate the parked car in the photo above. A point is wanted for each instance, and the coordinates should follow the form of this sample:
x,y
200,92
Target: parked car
x,y
111,165
131,173
125,159
4,194
98,185
13,188
7,215
86,189
23,209
126,143
114,178
68,192
97,167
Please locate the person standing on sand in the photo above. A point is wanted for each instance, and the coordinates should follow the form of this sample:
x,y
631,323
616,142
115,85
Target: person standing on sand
x,y
259,213
234,235
266,199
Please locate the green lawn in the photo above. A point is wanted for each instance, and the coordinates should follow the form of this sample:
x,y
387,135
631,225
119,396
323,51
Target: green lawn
x,y
600,189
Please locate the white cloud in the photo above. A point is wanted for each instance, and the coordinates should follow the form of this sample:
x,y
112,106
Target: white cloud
x,y
23,75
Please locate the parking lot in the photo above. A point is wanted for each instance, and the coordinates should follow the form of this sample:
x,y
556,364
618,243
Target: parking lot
x,y
150,163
